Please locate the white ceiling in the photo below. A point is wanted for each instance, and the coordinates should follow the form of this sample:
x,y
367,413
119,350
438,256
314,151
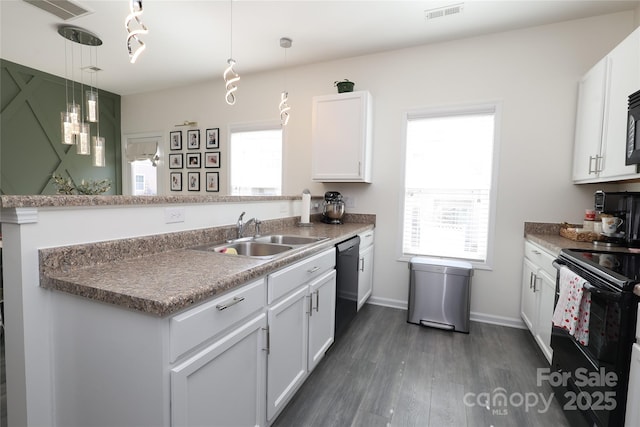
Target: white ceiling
x,y
189,41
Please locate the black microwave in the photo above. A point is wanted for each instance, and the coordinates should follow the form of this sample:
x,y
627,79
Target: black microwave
x,y
633,130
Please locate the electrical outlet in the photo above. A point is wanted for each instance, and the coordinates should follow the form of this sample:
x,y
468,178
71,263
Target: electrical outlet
x,y
349,202
172,215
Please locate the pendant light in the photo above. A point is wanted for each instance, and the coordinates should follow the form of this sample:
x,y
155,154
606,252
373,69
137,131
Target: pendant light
x,y
230,76
284,108
75,120
135,11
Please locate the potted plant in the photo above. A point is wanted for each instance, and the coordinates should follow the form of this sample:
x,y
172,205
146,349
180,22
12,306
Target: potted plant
x,y
344,85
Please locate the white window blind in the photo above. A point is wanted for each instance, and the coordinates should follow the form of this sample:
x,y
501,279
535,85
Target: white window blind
x,y
448,178
256,162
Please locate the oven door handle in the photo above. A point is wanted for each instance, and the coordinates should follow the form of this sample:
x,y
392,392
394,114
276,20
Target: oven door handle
x,y
613,296
557,264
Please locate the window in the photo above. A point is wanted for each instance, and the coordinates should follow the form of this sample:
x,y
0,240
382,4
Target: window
x,y
256,161
448,183
141,155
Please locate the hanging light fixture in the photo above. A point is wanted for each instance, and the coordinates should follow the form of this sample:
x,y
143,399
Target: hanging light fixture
x,y
135,46
230,76
284,108
75,130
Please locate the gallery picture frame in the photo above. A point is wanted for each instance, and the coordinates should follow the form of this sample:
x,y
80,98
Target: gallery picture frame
x,y
212,182
176,181
193,160
212,159
193,139
175,140
213,138
175,161
193,181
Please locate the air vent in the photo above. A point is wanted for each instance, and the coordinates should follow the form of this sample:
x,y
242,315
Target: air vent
x,y
63,9
441,12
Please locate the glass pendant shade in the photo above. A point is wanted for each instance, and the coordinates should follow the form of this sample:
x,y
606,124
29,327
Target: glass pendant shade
x,y
91,97
67,126
82,140
99,158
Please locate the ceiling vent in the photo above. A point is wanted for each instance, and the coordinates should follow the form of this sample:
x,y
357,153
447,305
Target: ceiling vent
x,y
441,12
63,9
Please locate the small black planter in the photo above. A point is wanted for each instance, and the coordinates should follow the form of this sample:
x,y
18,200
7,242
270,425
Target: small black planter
x,y
344,86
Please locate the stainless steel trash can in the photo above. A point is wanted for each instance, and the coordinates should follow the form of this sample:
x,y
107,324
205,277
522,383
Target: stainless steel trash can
x,y
440,293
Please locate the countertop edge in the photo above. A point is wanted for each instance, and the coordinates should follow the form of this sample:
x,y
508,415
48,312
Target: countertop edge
x,y
83,282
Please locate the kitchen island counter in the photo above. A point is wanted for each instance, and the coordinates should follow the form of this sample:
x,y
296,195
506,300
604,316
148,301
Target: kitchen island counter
x,y
165,282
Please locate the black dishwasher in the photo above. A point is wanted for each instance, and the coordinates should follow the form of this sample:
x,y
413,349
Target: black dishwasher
x,y
347,257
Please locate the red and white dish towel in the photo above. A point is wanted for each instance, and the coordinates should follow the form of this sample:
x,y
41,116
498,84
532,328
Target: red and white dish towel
x,y
574,305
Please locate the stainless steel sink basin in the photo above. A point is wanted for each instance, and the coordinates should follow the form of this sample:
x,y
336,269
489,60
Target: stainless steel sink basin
x,y
264,247
288,240
248,248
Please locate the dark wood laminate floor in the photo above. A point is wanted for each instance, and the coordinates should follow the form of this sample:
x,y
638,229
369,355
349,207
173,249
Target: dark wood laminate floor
x,y
387,372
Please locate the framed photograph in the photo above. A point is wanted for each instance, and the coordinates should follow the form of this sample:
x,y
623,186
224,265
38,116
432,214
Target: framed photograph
x,y
212,138
193,160
194,181
193,139
175,140
213,181
212,159
175,161
176,181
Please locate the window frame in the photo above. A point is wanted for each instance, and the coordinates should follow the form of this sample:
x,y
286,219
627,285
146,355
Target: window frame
x,y
255,127
494,107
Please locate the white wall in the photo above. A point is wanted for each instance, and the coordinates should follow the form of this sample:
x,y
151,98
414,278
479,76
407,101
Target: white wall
x,y
532,72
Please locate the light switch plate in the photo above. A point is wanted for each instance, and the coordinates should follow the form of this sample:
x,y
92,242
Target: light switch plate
x,y
172,215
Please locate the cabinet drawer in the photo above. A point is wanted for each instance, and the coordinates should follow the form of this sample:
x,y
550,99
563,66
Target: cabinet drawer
x,y
366,239
284,281
191,328
540,257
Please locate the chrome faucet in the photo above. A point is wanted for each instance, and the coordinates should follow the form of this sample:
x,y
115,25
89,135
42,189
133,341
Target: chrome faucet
x,y
240,226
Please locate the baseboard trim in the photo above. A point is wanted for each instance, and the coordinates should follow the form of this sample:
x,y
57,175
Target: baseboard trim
x,y
498,320
474,316
388,302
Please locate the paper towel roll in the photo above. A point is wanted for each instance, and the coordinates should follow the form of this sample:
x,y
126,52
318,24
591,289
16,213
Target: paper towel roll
x,y
306,207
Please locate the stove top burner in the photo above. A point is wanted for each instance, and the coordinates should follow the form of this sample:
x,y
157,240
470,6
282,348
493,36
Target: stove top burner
x,y
624,266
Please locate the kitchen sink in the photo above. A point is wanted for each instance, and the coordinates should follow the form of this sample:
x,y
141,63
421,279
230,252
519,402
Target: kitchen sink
x,y
288,240
264,247
250,248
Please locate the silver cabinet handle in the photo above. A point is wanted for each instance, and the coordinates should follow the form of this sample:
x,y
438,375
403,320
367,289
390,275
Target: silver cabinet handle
x,y
310,305
362,265
313,270
226,305
536,252
317,300
591,170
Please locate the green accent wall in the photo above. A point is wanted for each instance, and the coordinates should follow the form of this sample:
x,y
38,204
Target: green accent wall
x,y
30,136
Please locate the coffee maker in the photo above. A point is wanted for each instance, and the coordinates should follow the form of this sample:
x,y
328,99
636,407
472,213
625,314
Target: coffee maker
x,y
333,208
626,206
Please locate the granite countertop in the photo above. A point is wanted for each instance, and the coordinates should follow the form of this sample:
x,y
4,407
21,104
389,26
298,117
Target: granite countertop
x,y
167,281
547,235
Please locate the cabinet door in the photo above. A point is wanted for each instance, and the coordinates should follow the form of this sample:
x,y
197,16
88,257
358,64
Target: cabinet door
x,y
341,137
365,276
223,385
623,80
287,360
590,116
546,294
322,317
528,303
632,418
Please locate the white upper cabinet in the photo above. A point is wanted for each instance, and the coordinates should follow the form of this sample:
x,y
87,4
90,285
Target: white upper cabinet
x,y
601,122
341,137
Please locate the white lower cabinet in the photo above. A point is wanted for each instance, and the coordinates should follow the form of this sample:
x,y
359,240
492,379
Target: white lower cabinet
x,y
365,267
301,325
632,417
224,384
538,295
235,360
287,360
